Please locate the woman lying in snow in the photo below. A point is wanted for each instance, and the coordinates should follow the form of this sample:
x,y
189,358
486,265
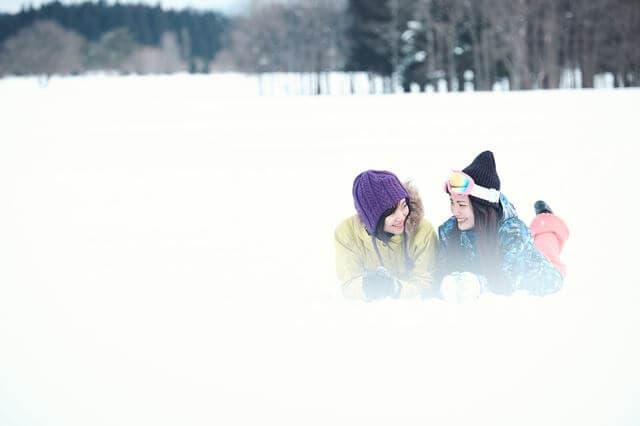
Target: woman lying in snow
x,y
387,249
485,247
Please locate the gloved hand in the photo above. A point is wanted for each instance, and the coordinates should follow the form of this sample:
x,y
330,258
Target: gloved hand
x,y
459,287
379,284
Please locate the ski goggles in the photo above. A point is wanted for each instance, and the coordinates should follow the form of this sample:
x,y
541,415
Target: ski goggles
x,y
460,183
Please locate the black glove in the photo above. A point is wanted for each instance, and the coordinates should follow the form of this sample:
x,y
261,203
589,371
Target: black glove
x,y
379,284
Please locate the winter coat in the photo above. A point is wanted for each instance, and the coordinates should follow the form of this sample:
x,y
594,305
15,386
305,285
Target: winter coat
x,y
355,253
522,266
549,235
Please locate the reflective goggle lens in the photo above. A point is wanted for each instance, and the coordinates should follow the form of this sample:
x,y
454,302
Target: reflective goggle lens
x,y
459,183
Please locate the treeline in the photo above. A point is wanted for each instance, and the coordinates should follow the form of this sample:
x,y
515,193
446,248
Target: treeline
x,y
410,43
529,42
421,43
58,38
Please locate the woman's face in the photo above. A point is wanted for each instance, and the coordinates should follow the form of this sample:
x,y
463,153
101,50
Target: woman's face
x,y
394,223
463,212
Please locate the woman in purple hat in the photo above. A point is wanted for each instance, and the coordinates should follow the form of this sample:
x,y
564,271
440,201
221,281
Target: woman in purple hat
x,y
387,250
485,247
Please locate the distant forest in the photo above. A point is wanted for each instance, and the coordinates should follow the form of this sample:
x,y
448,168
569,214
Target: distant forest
x,y
411,43
105,36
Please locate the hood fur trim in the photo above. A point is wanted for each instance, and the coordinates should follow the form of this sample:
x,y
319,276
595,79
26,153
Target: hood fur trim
x,y
416,207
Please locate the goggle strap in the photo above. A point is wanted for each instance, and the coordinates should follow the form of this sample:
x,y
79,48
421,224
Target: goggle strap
x,y
488,194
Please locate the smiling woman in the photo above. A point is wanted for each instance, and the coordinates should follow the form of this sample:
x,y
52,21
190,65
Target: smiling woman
x,y
394,221
485,247
387,249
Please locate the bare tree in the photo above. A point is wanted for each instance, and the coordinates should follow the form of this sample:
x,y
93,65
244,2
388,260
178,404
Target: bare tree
x,y
320,40
545,42
630,29
480,32
44,48
449,16
621,53
424,16
510,22
408,35
164,59
590,36
258,41
391,31
111,51
303,37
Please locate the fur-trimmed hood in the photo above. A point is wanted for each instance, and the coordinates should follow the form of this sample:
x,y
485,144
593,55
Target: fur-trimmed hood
x,y
415,206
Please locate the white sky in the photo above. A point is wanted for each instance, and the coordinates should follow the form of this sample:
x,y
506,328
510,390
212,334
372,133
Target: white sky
x,y
167,258
227,6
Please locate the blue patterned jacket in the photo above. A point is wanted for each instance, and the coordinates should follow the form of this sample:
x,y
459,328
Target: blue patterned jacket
x,y
522,267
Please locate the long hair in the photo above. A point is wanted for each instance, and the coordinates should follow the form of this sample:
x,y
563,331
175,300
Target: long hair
x,y
486,221
489,256
488,259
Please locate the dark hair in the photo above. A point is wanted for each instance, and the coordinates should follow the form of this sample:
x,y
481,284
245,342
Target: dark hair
x,y
486,221
380,233
487,244
385,236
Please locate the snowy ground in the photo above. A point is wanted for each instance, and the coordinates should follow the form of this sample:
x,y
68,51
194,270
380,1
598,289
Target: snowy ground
x,y
166,258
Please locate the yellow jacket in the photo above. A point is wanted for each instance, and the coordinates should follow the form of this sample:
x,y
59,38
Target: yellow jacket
x,y
355,253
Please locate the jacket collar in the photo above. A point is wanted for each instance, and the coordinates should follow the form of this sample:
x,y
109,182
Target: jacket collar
x,y
508,210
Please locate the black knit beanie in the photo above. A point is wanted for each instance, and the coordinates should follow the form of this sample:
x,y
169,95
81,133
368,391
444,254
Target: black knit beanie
x,y
483,171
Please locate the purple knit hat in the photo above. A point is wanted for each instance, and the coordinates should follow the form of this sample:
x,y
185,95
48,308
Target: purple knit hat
x,y
374,192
